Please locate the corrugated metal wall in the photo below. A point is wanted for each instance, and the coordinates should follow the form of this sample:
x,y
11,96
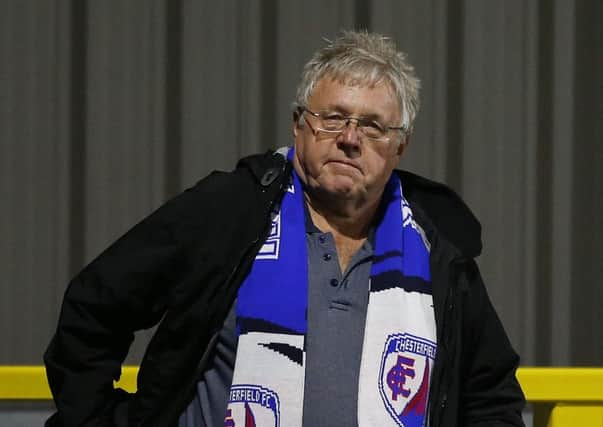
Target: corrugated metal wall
x,y
110,107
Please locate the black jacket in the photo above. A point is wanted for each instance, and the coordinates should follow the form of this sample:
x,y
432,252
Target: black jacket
x,y
183,265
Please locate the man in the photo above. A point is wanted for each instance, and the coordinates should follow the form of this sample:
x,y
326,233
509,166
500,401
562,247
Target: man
x,y
314,286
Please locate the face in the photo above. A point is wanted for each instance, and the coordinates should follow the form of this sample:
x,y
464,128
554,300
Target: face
x,y
346,167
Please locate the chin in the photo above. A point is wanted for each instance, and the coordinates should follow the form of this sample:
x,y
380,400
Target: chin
x,y
343,193
342,184
339,187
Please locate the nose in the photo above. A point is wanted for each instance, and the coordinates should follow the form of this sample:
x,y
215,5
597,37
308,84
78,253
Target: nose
x,y
350,132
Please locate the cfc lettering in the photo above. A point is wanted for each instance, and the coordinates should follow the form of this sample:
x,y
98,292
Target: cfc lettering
x,y
396,378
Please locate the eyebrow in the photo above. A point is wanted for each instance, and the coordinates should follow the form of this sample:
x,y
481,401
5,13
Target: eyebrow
x,y
340,109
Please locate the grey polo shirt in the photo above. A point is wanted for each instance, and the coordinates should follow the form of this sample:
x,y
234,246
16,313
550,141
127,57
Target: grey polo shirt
x,y
337,304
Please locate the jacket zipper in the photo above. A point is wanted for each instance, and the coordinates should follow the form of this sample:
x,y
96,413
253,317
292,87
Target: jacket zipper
x,y
442,395
443,377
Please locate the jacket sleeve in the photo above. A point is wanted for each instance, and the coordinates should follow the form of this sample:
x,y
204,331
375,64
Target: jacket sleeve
x,y
490,393
123,290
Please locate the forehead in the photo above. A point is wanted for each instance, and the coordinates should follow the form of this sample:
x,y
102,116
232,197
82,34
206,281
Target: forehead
x,y
354,96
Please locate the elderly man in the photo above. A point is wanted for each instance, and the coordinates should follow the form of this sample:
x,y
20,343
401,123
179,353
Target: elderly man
x,y
313,286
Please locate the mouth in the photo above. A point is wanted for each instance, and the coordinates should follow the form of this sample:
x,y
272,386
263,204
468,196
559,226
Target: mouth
x,y
346,164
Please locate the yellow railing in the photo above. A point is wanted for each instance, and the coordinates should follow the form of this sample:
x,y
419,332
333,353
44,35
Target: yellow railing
x,y
562,397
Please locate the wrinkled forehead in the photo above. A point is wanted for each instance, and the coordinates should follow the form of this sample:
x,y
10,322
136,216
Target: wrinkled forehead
x,y
360,79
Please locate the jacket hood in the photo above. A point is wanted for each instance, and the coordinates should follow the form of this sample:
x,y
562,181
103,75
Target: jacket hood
x,y
447,212
265,168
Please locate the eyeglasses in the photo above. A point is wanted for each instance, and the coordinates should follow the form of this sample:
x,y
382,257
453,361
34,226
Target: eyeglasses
x,y
335,123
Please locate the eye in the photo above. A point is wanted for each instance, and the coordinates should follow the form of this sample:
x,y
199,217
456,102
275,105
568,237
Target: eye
x,y
372,129
370,124
374,125
332,116
333,121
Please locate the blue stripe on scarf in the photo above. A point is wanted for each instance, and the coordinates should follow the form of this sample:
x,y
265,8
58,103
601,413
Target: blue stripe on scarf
x,y
276,290
404,252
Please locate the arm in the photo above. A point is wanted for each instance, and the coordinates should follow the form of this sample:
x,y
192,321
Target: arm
x,y
164,268
490,393
125,289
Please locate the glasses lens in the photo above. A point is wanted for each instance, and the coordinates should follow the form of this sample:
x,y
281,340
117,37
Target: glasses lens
x,y
333,122
372,130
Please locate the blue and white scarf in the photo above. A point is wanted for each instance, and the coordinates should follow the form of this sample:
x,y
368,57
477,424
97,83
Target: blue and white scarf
x,y
400,337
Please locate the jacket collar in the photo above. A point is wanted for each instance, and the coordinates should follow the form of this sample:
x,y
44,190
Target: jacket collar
x,y
440,209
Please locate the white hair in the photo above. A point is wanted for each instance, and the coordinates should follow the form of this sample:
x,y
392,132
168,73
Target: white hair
x,y
359,58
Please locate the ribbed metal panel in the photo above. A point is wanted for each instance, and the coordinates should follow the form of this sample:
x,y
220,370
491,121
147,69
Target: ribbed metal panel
x,y
109,108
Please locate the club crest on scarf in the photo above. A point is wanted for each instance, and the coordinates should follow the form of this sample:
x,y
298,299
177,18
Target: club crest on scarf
x,y
404,378
252,406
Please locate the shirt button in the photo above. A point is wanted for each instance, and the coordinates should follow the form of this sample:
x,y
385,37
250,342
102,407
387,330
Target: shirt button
x,y
327,257
322,238
334,282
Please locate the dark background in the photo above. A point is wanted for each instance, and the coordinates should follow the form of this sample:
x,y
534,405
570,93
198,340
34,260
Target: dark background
x,y
110,107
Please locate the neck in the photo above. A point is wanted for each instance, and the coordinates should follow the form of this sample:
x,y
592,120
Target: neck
x,y
345,219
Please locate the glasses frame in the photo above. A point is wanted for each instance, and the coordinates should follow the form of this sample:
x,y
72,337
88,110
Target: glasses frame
x,y
348,120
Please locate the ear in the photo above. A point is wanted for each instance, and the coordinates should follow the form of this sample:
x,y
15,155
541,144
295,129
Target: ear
x,y
296,122
403,144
